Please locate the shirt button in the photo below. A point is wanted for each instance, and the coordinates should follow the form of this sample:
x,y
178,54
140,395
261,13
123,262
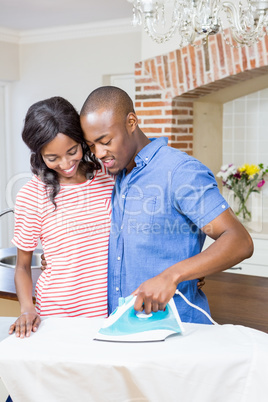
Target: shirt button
x,y
117,288
146,158
119,258
123,196
121,227
223,206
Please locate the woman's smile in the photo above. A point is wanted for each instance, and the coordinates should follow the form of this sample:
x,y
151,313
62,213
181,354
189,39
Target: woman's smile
x,y
68,171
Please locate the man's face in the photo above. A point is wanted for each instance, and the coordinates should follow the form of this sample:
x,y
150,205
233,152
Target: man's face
x,y
110,139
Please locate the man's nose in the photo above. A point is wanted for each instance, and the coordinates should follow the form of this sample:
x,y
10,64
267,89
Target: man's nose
x,y
99,151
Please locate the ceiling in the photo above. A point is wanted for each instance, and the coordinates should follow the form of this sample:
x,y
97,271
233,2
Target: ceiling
x,y
39,14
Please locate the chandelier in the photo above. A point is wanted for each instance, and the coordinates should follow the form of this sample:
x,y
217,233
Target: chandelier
x,y
193,19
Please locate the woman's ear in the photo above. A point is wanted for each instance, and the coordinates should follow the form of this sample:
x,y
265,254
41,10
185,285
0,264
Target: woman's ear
x,y
132,121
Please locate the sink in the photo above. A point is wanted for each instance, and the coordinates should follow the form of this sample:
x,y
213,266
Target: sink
x,y
8,257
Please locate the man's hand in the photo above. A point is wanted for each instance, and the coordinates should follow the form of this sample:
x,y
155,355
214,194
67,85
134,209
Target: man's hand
x,y
27,322
154,294
43,262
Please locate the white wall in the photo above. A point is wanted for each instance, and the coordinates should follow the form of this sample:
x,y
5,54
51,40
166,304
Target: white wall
x,y
70,68
245,135
9,60
2,137
7,220
152,49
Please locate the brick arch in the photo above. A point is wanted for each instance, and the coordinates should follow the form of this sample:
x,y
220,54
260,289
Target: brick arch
x,y
167,85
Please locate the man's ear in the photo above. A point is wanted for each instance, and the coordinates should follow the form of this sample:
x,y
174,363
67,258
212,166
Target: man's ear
x,y
132,121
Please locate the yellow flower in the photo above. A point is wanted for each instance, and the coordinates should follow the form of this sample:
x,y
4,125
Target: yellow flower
x,y
242,168
250,170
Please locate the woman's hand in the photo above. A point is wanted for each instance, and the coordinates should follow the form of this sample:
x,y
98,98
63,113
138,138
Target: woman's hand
x,y
201,282
43,262
27,322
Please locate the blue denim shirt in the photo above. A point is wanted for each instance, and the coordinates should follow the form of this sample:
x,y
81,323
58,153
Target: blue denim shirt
x,y
157,212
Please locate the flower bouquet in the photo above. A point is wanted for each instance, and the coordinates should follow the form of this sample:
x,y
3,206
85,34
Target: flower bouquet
x,y
243,181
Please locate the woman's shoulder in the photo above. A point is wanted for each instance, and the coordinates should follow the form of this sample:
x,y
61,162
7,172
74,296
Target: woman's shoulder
x,y
104,174
34,188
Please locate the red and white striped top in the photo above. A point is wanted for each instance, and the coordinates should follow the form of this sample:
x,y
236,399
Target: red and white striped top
x,y
75,240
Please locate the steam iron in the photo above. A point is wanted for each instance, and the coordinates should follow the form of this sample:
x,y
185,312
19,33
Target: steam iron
x,y
127,325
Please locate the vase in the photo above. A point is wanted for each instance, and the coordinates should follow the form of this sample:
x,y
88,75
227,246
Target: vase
x,y
249,212
241,207
242,210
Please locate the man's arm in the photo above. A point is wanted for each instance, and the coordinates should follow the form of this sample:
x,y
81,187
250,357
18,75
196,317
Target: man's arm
x,y
232,245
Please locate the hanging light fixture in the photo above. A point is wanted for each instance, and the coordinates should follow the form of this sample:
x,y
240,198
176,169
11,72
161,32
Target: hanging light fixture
x,y
193,19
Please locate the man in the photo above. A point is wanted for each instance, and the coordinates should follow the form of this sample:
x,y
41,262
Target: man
x,y
164,204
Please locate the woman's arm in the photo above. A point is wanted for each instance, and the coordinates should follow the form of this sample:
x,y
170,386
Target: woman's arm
x,y
29,320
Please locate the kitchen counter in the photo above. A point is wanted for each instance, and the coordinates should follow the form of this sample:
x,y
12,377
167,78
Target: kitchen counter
x,y
7,285
238,299
258,231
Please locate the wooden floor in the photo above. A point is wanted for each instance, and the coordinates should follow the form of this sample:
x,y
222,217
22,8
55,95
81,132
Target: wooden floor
x,y
238,299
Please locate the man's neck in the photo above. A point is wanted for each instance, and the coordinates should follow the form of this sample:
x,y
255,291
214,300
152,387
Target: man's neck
x,y
141,143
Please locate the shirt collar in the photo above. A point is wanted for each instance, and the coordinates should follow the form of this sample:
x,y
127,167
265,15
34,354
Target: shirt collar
x,y
147,153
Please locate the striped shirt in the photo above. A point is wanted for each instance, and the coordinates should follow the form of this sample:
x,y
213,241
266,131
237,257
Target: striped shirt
x,y
75,240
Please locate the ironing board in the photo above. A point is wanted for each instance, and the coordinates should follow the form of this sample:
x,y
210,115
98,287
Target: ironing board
x,y
62,362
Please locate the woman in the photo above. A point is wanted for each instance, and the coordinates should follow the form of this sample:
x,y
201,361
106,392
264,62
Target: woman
x,y
67,206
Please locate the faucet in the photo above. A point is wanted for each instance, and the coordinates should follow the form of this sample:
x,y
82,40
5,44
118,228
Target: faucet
x,y
6,211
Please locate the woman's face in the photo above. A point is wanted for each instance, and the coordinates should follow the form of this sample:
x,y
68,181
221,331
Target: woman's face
x,y
63,155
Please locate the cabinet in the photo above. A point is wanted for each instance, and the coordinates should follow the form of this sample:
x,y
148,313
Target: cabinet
x,y
256,265
9,308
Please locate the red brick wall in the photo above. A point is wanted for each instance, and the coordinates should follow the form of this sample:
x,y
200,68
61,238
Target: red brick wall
x,y
167,85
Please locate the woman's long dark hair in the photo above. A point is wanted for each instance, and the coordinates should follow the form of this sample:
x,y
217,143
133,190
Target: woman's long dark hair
x,y
43,121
